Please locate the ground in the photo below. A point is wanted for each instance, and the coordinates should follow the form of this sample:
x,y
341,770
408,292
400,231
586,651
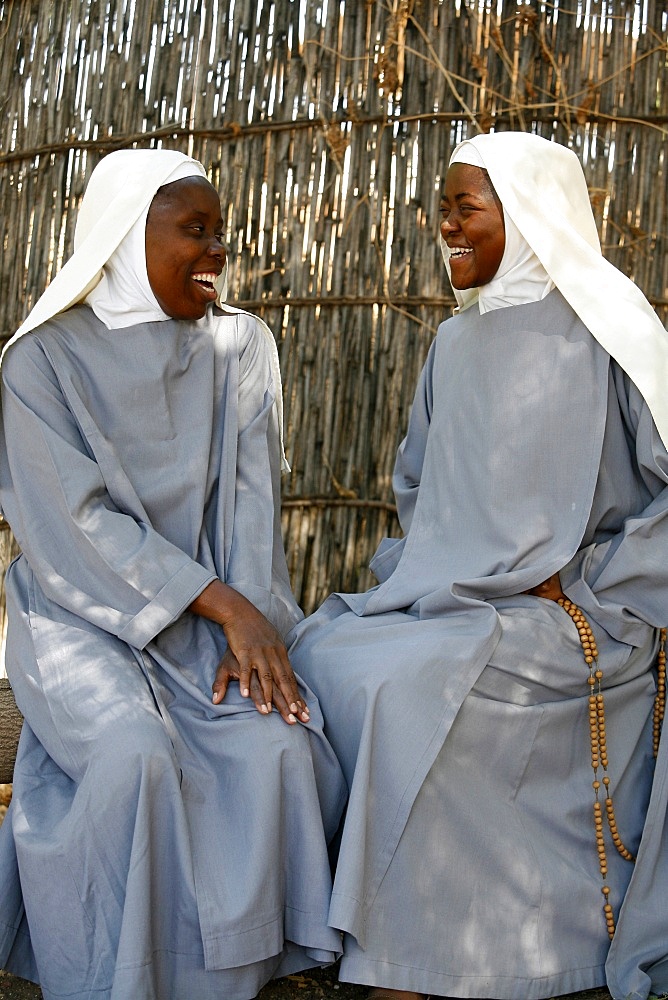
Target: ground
x,y
316,984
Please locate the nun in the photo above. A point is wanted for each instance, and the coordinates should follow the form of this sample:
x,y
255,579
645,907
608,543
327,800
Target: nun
x,y
496,699
173,792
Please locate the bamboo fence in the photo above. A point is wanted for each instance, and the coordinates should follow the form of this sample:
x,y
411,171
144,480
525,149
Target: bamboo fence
x,y
327,126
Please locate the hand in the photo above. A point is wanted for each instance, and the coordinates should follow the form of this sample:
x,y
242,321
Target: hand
x,y
229,669
550,589
256,657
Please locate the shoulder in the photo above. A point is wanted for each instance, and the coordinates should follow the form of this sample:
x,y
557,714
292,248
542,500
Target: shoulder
x,y
43,350
26,357
553,315
459,320
243,325
251,336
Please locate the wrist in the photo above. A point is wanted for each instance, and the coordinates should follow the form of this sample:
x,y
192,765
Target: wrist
x,y
218,602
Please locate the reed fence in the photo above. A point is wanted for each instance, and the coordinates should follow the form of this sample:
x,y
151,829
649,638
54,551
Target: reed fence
x,y
327,126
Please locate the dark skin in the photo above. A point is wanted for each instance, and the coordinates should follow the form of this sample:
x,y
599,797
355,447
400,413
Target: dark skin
x,y
550,589
472,226
184,254
184,249
256,656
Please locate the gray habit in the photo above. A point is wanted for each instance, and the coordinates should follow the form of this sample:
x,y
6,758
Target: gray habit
x,y
157,846
458,706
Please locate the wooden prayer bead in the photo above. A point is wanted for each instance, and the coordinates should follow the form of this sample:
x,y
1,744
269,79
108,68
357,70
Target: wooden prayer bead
x,y
598,741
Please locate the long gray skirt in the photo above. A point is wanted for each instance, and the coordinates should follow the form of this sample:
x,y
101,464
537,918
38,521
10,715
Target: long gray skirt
x,y
493,888
158,847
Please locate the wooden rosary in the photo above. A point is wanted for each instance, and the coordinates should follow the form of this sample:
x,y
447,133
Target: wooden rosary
x,y
599,750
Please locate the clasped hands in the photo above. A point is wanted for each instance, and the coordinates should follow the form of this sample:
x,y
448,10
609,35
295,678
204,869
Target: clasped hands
x,y
256,656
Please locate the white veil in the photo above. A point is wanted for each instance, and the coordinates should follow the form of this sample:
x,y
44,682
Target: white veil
x,y
543,191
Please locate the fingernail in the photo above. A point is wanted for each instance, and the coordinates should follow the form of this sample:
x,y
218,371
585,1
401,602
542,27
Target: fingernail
x,y
264,709
291,718
294,707
245,692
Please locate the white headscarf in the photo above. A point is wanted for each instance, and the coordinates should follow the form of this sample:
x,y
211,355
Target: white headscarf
x,y
108,267
543,191
520,277
118,194
124,296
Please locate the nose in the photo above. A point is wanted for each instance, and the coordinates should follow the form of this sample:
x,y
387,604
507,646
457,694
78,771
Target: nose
x,y
218,250
449,223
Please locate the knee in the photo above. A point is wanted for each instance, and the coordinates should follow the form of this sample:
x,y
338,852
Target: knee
x,y
133,755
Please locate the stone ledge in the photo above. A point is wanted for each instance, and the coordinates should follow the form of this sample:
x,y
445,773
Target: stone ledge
x,y
10,729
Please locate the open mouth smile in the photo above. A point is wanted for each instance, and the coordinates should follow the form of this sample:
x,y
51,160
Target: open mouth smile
x,y
457,253
206,282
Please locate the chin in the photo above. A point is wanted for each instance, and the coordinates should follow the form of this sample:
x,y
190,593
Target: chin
x,y
468,284
189,317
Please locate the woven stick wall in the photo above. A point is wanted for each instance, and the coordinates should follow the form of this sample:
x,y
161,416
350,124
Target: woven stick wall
x,y
327,126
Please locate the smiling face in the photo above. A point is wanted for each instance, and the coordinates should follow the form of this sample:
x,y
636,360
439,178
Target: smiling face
x,y
472,226
184,253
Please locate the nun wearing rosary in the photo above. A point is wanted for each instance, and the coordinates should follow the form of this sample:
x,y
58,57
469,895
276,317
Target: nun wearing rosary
x,y
496,700
173,792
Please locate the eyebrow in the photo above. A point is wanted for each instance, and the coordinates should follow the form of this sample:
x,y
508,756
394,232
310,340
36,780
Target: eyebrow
x,y
196,213
462,194
199,211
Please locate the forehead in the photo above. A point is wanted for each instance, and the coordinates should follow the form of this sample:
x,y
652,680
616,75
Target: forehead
x,y
194,194
463,179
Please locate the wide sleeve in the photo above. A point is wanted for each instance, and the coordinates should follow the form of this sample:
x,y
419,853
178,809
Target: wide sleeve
x,y
411,451
257,565
408,472
621,582
108,566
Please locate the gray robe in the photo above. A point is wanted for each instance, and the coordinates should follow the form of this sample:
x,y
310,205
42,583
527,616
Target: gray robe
x,y
157,846
458,705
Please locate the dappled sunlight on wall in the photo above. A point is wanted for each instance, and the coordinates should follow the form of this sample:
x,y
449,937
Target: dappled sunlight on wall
x,y
326,127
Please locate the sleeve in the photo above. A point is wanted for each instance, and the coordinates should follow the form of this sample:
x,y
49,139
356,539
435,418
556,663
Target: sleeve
x,y
622,581
100,563
408,472
411,451
257,565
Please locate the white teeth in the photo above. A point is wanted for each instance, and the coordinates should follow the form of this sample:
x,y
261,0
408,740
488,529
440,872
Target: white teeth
x,y
207,278
460,251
